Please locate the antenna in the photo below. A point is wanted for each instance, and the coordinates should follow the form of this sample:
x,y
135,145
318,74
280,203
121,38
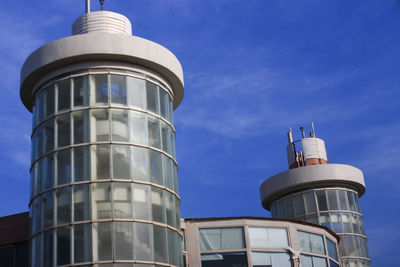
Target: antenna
x,y
101,3
302,132
313,129
87,6
290,136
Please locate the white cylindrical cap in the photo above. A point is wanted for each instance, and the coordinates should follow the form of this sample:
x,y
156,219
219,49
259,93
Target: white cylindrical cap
x,y
102,21
313,148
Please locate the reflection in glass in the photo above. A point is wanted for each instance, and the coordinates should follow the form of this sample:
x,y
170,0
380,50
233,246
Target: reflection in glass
x,y
48,208
82,243
81,127
143,242
122,200
157,204
118,89
104,242
101,88
81,202
63,245
221,238
153,130
156,175
101,201
48,254
48,135
81,164
63,167
152,97
141,202
140,163
101,131
80,91
123,239
48,172
64,94
160,239
119,123
63,130
138,128
50,101
100,160
321,197
137,92
63,205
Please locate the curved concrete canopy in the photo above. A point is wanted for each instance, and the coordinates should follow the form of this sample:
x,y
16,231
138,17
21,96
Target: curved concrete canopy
x,y
308,176
101,46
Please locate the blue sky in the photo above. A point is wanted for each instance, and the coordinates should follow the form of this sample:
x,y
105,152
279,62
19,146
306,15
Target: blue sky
x,y
252,70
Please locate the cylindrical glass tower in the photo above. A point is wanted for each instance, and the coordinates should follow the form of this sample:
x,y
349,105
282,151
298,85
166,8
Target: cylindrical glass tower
x,y
104,188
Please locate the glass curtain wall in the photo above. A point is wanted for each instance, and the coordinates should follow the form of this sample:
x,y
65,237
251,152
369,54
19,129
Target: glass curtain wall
x,y
104,184
337,209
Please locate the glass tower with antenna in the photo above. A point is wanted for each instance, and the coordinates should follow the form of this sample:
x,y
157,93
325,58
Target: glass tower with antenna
x,y
104,188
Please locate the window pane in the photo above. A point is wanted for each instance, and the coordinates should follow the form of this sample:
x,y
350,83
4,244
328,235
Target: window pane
x,y
319,262
143,242
232,238
317,244
81,202
104,243
331,249
101,205
40,107
304,241
122,200
64,166
157,204
82,243
50,101
63,131
321,197
81,127
100,160
165,136
164,104
277,238
152,97
140,163
173,255
101,131
48,254
48,135
120,125
64,94
80,91
101,88
63,245
38,142
332,199
48,171
63,205
137,92
138,128
342,200
168,180
226,259
170,208
221,238
141,198
81,164
310,202
258,237
298,204
154,132
160,239
350,196
306,261
123,239
48,208
121,162
118,89
156,168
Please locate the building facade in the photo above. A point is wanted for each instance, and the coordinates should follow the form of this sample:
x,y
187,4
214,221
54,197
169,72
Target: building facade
x,y
104,188
317,192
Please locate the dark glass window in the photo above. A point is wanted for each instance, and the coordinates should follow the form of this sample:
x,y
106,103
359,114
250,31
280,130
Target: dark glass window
x,y
64,94
321,197
227,259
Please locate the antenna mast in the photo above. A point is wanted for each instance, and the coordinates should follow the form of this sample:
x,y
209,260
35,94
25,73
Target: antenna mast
x,y
101,3
87,6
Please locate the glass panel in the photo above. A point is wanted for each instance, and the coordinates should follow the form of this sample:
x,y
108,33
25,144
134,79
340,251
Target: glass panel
x,y
310,202
306,261
333,264
141,198
157,204
138,128
63,205
277,238
48,208
63,245
81,164
118,89
81,202
101,131
64,94
121,162
154,132
232,238
63,130
80,91
140,163
122,200
38,142
342,200
101,88
40,107
120,125
81,127
175,176
48,254
357,203
346,221
336,224
82,243
152,97
100,160
332,252
104,241
50,101
173,255
298,204
324,220
164,109
321,197
319,262
39,176
137,92
332,200
221,238
258,237
64,167
304,241
166,141
317,244
262,259
350,196
167,163
170,208
48,136
101,206
48,171
171,111
226,259
160,241
123,240
288,206
156,168
143,242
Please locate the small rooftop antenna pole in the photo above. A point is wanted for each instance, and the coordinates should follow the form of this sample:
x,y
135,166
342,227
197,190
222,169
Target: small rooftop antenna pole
x,y
290,136
313,129
87,6
101,3
302,132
